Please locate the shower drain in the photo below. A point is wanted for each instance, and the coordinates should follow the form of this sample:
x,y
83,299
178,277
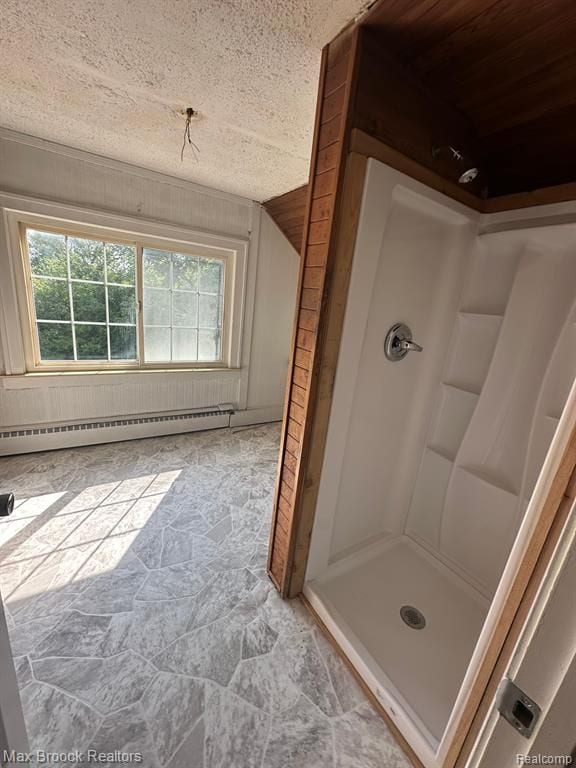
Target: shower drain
x,y
412,617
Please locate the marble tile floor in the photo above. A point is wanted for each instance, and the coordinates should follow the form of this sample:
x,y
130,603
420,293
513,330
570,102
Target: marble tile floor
x,y
142,619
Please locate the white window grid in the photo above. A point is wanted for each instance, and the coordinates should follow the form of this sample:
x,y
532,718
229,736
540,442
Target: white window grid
x,y
197,292
71,281
219,331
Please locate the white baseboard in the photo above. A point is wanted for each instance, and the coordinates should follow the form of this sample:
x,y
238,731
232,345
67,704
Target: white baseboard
x,y
53,441
43,440
257,416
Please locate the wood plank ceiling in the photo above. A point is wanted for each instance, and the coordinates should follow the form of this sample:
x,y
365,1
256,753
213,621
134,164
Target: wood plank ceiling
x,y
288,212
509,66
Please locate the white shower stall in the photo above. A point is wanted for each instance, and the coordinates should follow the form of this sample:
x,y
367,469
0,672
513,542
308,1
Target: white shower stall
x,y
431,461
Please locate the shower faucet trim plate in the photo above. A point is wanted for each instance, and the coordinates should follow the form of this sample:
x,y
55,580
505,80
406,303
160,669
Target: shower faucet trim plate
x,y
399,342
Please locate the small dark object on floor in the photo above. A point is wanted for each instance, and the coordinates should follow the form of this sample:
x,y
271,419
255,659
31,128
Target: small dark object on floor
x,y
6,504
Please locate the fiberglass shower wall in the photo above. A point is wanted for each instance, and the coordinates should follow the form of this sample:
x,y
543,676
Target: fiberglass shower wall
x,y
507,374
446,445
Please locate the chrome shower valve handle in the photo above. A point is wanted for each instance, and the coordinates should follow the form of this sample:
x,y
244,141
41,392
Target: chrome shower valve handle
x,y
399,342
410,346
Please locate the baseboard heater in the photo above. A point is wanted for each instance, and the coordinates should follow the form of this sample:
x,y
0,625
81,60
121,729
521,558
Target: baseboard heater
x,y
122,422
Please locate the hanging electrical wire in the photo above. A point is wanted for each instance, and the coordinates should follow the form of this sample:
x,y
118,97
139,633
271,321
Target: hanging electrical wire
x,y
190,113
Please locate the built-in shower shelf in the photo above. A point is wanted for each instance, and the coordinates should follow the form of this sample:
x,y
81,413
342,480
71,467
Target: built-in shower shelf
x,y
488,503
491,478
472,348
490,280
461,388
481,315
453,415
439,451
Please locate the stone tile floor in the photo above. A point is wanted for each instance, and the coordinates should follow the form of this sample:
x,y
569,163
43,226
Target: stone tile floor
x,y
142,620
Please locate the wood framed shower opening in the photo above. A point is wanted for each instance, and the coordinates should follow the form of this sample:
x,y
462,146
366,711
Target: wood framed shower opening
x,y
371,105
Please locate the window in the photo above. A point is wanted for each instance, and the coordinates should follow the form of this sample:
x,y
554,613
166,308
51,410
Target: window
x,y
183,306
100,303
84,294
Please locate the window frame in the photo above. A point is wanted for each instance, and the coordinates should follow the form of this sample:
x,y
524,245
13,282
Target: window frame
x,y
232,251
140,288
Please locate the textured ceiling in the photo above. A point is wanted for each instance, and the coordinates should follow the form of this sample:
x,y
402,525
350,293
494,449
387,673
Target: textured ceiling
x,y
109,76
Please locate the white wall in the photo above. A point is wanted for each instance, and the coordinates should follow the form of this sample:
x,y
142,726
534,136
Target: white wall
x,y
50,171
43,171
276,279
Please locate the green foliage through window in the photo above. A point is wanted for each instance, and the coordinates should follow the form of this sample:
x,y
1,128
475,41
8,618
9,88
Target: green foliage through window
x,y
84,294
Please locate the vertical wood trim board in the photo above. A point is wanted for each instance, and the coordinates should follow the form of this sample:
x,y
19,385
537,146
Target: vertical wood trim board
x,y
280,530
332,321
316,267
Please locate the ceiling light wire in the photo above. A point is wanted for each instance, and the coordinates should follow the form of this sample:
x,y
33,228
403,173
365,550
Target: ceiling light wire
x,y
190,113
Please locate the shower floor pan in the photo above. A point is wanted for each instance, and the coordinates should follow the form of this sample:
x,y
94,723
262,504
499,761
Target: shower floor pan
x,y
414,672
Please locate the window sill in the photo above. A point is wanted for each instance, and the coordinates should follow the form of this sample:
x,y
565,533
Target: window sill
x,y
43,379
